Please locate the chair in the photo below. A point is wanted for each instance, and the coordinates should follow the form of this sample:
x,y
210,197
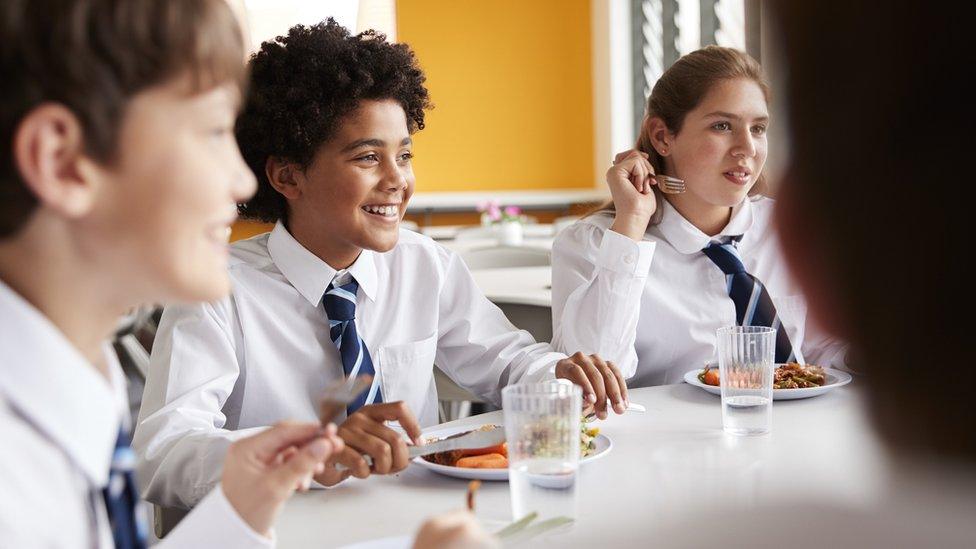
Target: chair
x,y
498,257
476,233
453,402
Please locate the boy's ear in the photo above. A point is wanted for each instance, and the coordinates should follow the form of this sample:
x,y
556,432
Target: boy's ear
x,y
49,152
283,177
806,255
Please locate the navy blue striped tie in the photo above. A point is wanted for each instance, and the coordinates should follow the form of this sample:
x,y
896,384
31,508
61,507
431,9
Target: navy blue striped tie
x,y
121,497
753,306
340,306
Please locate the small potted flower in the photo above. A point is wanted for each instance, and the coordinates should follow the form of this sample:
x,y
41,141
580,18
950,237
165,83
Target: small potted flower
x,y
510,232
506,222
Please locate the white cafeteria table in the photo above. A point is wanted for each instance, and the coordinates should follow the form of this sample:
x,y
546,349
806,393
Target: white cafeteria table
x,y
667,463
517,285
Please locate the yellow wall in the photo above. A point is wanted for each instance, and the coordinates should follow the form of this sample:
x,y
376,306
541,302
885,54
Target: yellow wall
x,y
511,84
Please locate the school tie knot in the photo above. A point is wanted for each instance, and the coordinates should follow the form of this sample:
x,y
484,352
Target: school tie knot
x,y
340,301
725,256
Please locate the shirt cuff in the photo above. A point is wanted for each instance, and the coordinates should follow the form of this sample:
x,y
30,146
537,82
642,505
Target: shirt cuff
x,y
215,523
620,254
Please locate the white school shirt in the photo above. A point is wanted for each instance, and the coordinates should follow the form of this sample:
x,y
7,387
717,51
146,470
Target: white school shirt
x,y
653,307
59,419
264,354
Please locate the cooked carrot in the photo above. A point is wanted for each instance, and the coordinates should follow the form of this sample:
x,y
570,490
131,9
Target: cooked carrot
x,y
497,449
485,461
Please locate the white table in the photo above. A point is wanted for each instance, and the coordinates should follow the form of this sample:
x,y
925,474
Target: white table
x,y
665,464
517,285
426,202
450,232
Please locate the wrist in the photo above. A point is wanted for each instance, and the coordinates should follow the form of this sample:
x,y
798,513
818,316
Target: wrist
x,y
632,226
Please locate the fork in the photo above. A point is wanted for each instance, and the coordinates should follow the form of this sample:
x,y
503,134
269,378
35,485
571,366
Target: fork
x,y
670,185
631,407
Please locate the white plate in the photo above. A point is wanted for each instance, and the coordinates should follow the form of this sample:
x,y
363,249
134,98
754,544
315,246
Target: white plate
x,y
835,379
602,442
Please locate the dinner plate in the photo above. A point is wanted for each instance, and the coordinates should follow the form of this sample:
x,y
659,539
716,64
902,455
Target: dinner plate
x,y
602,442
835,379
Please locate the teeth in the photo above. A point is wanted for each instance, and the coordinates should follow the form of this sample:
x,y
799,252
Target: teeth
x,y
386,211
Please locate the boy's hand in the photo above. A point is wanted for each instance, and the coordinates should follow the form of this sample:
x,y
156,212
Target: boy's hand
x,y
364,432
454,530
262,471
601,381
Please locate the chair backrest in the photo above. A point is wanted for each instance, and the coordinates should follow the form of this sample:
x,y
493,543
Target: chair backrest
x,y
472,233
498,257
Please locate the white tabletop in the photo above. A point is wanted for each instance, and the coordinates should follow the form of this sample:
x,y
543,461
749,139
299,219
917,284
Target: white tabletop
x,y
519,285
668,462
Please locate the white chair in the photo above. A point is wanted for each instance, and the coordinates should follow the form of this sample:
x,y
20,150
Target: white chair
x,y
498,257
476,233
453,402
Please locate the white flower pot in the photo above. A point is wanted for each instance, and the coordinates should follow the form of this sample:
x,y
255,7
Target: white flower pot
x,y
510,233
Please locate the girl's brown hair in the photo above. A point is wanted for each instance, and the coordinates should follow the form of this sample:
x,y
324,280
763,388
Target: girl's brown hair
x,y
681,88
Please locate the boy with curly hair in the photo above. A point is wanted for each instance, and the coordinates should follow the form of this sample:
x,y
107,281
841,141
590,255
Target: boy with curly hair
x,y
337,288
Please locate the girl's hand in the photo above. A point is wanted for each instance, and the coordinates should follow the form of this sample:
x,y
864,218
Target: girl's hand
x,y
630,179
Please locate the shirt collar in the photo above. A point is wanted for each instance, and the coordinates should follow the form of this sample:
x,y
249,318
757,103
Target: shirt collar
x,y
688,239
56,389
309,274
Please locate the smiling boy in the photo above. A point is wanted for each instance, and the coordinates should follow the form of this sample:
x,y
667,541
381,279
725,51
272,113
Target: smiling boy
x,y
337,288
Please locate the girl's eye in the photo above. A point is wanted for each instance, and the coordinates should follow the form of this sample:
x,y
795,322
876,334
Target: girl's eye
x,y
722,126
759,130
406,156
369,158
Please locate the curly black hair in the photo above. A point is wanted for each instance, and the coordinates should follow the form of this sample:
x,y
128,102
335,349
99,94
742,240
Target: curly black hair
x,y
303,84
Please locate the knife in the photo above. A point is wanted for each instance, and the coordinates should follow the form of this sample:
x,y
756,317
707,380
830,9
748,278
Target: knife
x,y
469,440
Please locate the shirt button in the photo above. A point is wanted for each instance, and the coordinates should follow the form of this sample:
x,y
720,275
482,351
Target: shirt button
x,y
629,259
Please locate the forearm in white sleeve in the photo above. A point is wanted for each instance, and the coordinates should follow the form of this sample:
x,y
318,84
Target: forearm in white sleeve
x,y
214,523
179,439
598,277
477,346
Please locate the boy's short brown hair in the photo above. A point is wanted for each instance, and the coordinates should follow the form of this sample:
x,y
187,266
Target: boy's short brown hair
x,y
93,56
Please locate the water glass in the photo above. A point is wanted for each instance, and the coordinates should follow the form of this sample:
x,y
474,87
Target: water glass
x,y
542,427
745,362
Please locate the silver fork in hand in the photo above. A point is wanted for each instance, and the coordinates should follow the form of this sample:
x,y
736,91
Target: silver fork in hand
x,y
670,185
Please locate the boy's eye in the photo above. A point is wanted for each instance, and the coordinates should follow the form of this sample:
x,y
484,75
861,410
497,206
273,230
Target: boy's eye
x,y
406,156
759,129
722,126
371,157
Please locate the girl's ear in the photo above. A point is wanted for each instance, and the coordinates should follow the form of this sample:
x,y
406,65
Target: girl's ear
x,y
283,176
659,136
49,153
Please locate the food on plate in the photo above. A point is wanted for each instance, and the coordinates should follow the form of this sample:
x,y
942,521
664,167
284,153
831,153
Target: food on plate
x,y
788,376
796,376
483,461
587,436
492,457
496,457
